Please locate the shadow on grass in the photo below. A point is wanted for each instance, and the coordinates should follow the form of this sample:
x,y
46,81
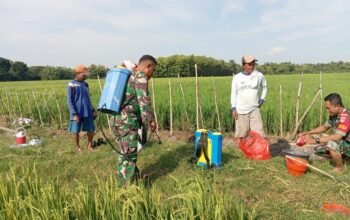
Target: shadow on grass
x,y
168,161
276,149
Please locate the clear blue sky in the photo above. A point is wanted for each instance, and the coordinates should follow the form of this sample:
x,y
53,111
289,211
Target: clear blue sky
x,y
69,32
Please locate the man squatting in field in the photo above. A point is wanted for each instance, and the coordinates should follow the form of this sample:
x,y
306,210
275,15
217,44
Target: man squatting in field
x,y
82,113
339,120
248,93
136,110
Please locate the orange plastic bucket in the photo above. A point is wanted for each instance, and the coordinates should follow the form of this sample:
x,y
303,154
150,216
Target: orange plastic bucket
x,y
296,166
336,208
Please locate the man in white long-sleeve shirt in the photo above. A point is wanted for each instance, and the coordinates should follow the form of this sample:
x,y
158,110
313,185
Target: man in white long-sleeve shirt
x,y
248,93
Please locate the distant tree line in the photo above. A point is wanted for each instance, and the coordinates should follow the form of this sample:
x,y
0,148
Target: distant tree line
x,y
17,71
171,66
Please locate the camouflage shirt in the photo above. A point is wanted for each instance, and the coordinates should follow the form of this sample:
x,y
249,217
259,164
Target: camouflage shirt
x,y
137,101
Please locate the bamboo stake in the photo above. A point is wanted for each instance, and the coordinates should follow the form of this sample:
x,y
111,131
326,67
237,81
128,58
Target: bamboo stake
x,y
6,107
281,115
30,107
307,110
216,104
321,100
58,108
3,109
13,105
201,114
19,105
109,123
154,106
197,104
171,109
297,105
47,108
185,105
37,107
8,104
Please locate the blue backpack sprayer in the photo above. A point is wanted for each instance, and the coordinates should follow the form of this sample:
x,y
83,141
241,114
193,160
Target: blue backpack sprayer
x,y
208,148
112,98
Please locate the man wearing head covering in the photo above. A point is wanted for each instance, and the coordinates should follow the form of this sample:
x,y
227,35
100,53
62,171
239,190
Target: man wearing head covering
x,y
136,111
82,113
248,93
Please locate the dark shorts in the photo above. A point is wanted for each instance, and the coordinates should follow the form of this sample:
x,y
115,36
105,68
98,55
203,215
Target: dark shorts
x,y
84,124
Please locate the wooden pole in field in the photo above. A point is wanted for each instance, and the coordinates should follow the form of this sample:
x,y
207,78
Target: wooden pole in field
x,y
216,103
171,109
185,105
58,108
8,104
5,105
30,107
197,101
3,109
281,115
307,110
37,107
297,105
13,104
109,123
321,100
19,105
154,106
201,114
47,108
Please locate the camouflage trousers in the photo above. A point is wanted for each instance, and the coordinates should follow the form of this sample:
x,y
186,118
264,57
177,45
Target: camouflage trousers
x,y
126,132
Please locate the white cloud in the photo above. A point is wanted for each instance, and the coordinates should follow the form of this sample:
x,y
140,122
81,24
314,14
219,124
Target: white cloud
x,y
269,2
274,51
231,7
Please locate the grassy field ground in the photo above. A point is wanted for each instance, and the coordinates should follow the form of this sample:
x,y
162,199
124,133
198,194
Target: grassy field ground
x,y
54,182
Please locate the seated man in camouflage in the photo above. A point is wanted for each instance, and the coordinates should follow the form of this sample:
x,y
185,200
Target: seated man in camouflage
x,y
337,143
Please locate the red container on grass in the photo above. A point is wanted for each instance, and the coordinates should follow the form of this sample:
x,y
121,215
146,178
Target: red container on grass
x,y
301,140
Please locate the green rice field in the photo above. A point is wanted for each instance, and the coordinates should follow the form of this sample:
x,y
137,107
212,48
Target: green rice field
x,y
45,101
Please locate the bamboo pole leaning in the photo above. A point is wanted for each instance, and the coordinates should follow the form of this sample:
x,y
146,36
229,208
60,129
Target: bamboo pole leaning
x,y
8,104
281,112
58,109
19,105
154,106
30,107
108,122
185,105
47,108
306,111
37,107
216,104
321,100
3,107
297,105
197,101
171,109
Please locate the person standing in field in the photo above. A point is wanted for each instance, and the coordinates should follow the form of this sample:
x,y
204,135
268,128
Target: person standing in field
x,y
248,93
338,143
82,113
136,111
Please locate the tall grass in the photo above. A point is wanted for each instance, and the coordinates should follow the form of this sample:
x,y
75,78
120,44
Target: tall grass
x,y
26,196
336,82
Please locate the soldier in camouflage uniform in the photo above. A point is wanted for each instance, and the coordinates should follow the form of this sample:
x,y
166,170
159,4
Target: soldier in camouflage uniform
x,y
136,111
338,143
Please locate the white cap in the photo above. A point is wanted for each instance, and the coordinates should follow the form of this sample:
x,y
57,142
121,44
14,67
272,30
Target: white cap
x,y
129,65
